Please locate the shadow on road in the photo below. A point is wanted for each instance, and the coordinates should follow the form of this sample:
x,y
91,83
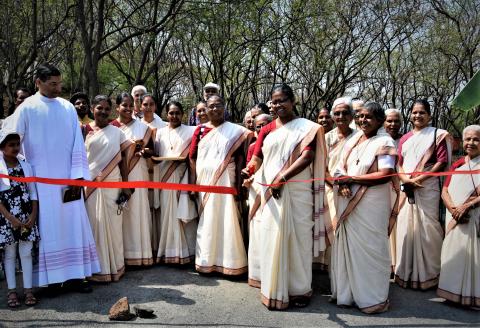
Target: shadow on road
x,y
182,297
139,285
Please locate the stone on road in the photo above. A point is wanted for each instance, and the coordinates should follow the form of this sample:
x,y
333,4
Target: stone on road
x,y
120,310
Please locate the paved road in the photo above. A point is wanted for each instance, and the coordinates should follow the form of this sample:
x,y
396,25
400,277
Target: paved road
x,y
182,298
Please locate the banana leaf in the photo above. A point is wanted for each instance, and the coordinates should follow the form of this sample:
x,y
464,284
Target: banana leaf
x,y
469,96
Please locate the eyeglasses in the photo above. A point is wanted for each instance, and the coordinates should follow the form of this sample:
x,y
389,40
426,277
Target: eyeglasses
x,y
216,106
279,101
343,113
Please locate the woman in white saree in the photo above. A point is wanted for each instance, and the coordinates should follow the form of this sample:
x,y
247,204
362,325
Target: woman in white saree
x,y
392,125
291,222
106,152
217,154
177,212
255,192
137,222
419,233
460,259
360,254
148,109
335,140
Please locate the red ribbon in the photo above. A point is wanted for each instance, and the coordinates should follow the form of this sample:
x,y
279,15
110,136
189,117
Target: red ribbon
x,y
434,174
129,184
192,187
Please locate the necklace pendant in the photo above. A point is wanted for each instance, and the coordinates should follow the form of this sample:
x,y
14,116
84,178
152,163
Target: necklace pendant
x,y
171,148
358,161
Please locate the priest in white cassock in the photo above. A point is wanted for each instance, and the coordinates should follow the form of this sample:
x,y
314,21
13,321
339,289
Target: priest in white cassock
x,y
53,145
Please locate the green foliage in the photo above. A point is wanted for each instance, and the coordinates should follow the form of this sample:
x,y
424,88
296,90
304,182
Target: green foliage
x,y
391,51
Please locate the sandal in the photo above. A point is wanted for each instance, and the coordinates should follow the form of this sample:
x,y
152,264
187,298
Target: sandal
x,y
12,299
30,299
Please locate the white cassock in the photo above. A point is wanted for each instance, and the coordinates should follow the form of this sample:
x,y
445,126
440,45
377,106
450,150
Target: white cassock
x,y
53,145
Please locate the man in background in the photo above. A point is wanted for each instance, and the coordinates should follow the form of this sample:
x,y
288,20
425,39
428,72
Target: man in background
x,y
20,95
209,89
81,103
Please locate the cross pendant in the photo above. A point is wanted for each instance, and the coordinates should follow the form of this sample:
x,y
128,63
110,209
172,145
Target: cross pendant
x,y
358,161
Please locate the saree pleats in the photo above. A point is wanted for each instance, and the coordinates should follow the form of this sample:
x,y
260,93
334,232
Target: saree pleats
x,y
254,244
360,269
137,222
220,245
286,239
173,246
460,272
107,230
419,236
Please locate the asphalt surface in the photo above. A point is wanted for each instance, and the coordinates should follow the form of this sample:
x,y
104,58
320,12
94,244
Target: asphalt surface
x,y
183,298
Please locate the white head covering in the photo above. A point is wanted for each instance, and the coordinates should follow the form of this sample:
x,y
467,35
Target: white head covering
x,y
475,128
247,114
137,88
211,85
342,101
394,110
357,103
264,116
